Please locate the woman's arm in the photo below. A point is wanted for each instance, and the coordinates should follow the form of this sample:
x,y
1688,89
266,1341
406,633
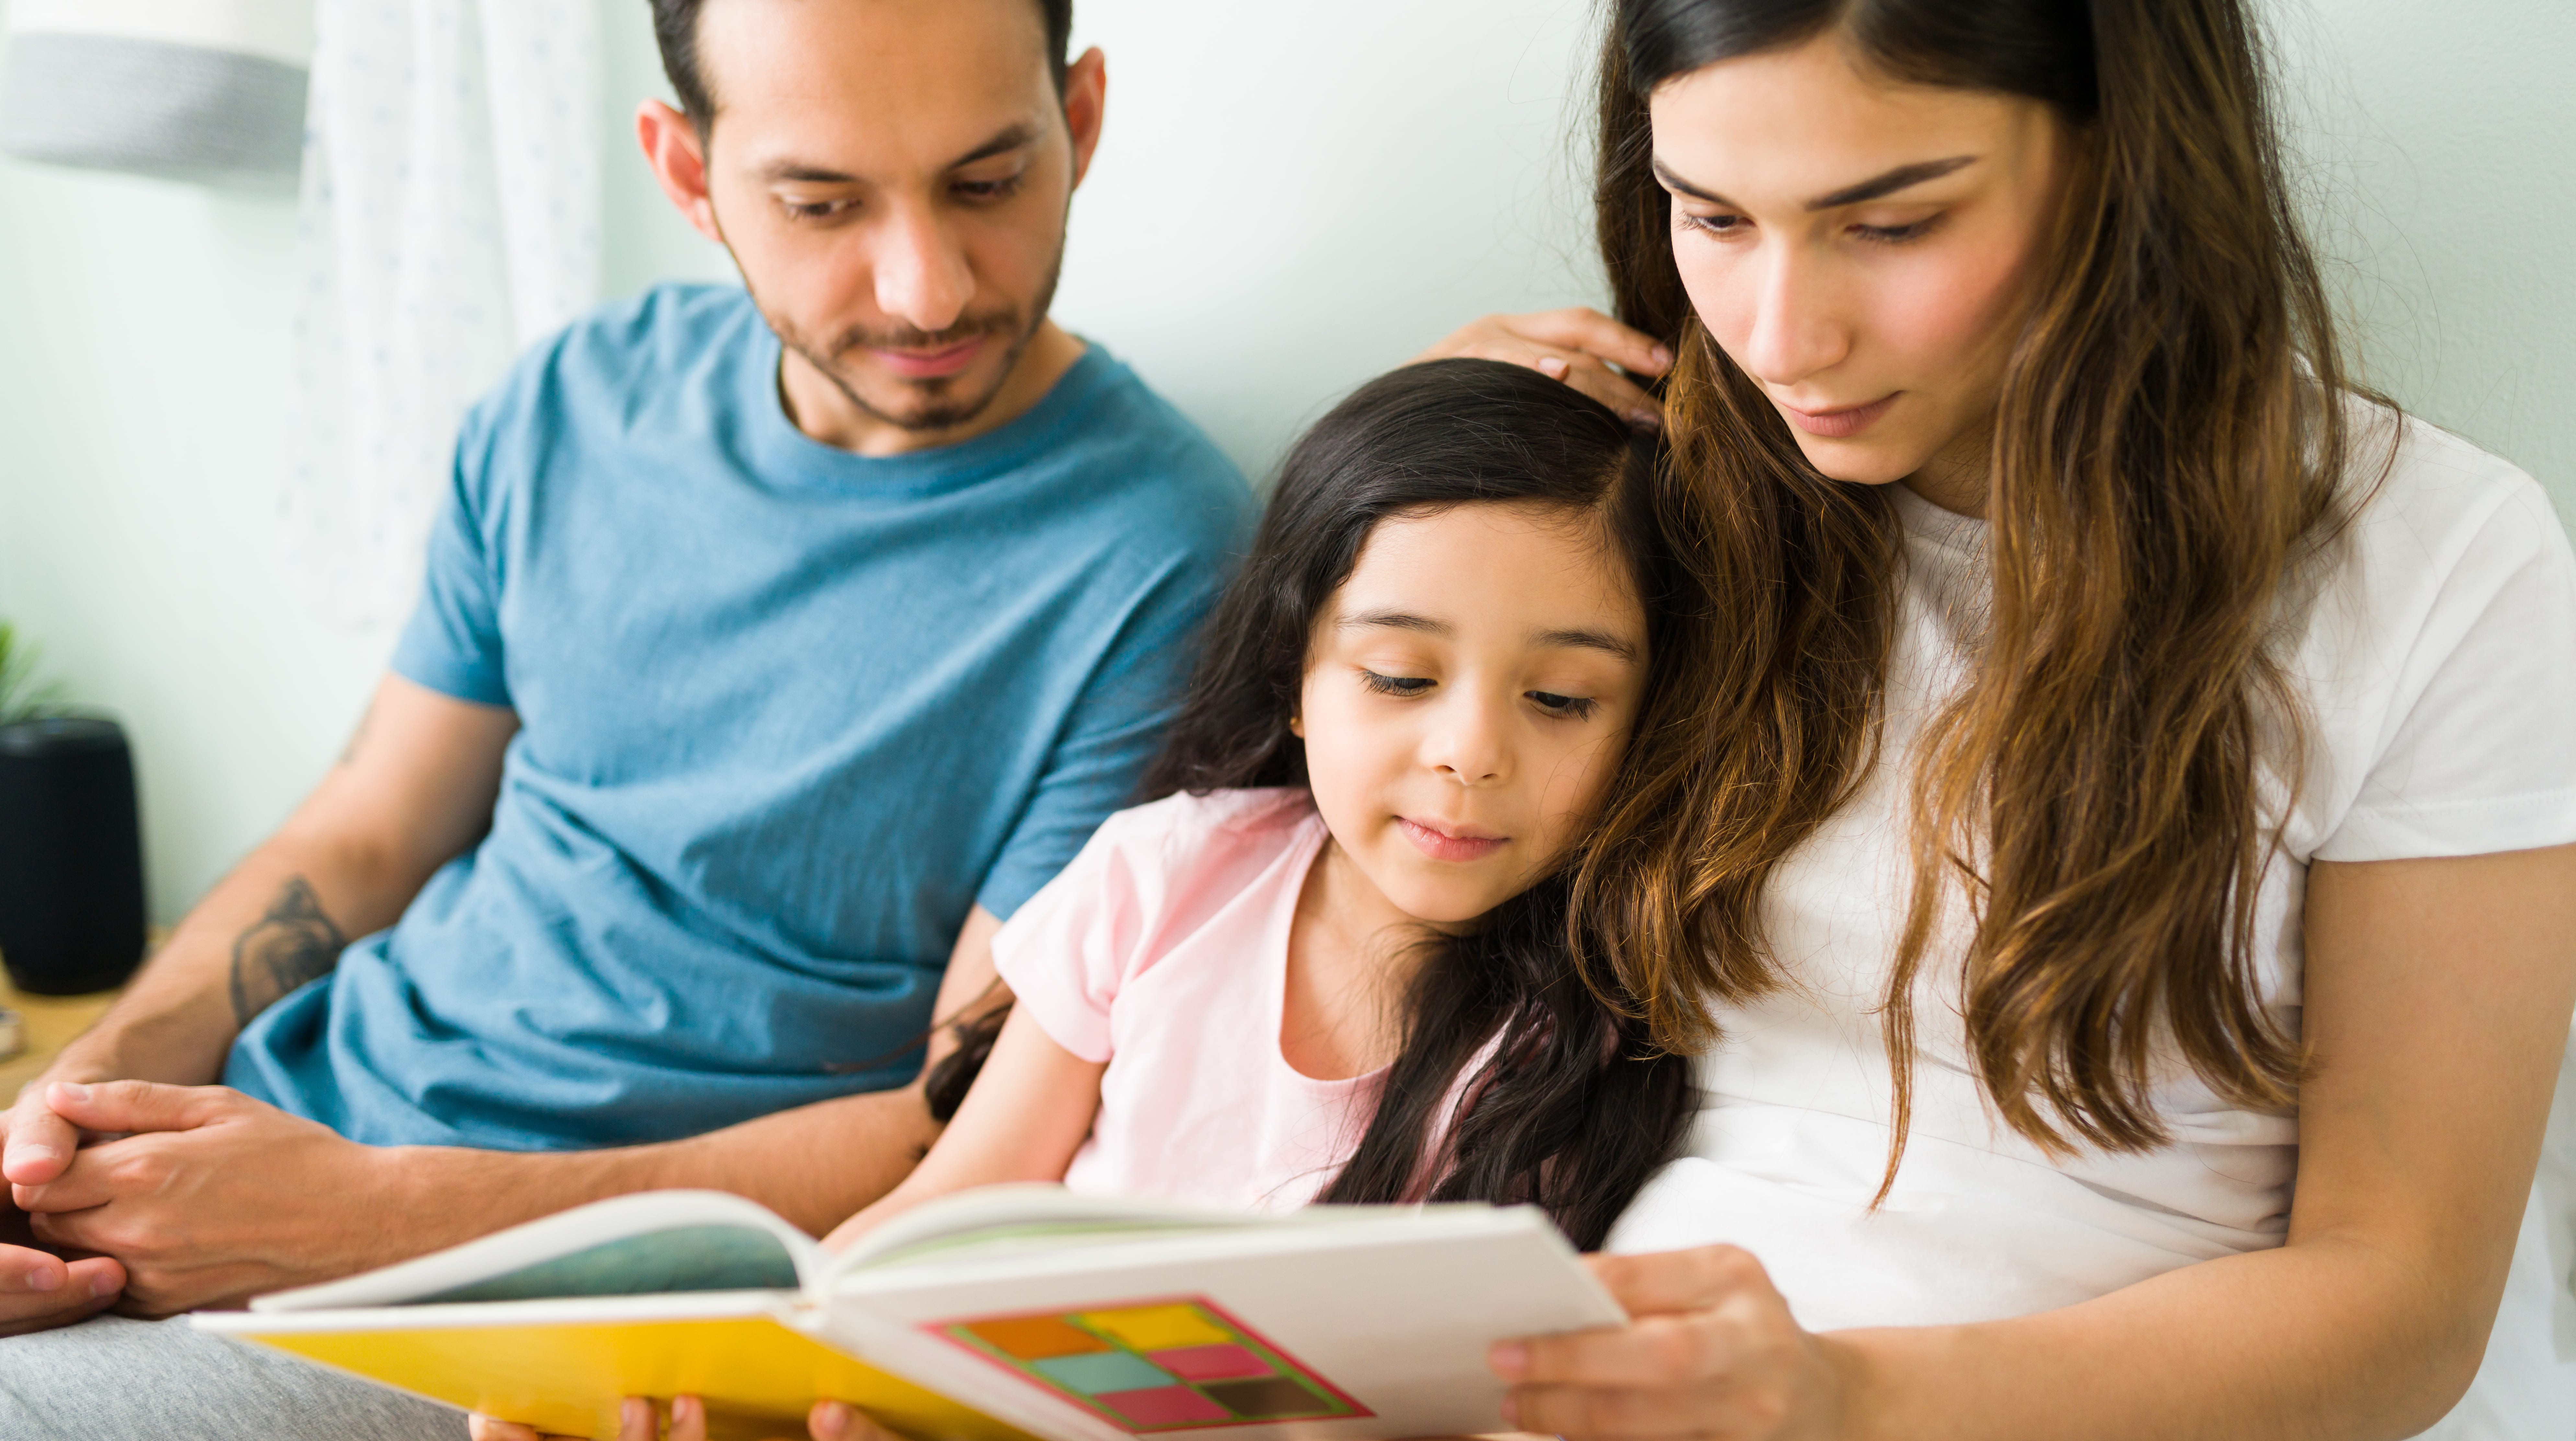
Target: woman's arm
x,y
2437,1002
1022,1120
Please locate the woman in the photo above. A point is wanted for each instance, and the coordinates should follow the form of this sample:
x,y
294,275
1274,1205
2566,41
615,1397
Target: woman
x,y
2140,936
2140,930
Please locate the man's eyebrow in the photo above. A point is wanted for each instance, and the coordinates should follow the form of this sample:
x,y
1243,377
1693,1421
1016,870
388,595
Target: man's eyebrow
x,y
1395,620
778,170
1010,138
1875,188
1590,640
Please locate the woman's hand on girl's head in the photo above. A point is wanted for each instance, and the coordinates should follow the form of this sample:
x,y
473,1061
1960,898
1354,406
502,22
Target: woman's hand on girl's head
x,y
1576,345
638,1420
1710,1350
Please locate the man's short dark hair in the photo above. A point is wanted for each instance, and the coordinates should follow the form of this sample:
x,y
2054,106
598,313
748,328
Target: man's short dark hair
x,y
675,27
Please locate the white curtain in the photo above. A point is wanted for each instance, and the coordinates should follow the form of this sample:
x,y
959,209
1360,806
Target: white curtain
x,y
450,215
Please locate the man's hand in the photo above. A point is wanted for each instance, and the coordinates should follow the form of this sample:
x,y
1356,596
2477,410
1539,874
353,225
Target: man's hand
x,y
1577,346
207,1196
39,1290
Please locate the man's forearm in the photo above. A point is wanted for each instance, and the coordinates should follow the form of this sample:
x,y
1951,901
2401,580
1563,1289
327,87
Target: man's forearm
x,y
814,1165
279,920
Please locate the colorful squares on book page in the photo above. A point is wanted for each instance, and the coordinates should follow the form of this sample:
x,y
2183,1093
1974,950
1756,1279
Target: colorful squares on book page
x,y
1157,1328
1155,1366
1034,1338
1210,1363
1165,1406
1102,1371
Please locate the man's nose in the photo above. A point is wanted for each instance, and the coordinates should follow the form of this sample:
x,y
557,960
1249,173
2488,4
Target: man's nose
x,y
922,275
1796,330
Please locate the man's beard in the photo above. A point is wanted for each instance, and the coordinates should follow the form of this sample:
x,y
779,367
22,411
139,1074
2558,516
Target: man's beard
x,y
938,407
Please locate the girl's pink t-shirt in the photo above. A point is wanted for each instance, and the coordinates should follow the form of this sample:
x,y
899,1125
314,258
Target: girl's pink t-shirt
x,y
1163,950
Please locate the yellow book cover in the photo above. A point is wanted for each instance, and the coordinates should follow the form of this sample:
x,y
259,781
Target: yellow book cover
x,y
1004,1314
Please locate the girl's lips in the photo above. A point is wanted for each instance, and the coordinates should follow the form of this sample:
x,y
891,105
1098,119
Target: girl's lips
x,y
1837,424
1440,845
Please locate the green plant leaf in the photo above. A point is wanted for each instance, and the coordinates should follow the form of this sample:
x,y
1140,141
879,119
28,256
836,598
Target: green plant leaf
x,y
24,694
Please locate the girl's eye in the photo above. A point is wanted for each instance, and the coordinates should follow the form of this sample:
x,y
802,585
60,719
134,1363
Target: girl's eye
x,y
1567,706
1394,684
1712,224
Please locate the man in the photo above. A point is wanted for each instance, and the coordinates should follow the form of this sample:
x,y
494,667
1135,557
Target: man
x,y
776,646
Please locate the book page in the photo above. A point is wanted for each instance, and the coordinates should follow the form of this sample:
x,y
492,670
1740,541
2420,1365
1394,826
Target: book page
x,y
1363,1326
658,1242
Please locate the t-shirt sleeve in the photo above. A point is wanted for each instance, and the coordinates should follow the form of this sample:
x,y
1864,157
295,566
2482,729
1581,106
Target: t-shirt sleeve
x,y
1112,730
1067,952
2479,738
453,642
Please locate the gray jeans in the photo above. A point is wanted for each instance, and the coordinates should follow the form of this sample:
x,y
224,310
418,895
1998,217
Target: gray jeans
x,y
111,1379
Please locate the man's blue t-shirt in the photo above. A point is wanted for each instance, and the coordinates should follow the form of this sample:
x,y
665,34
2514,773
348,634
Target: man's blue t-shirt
x,y
787,714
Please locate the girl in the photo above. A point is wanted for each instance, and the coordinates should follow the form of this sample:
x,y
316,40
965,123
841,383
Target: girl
x,y
2146,919
1343,959
1359,952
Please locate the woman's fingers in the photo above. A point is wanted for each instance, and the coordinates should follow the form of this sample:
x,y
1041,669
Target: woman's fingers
x,y
1672,1282
1593,333
1583,1413
1562,344
1658,1351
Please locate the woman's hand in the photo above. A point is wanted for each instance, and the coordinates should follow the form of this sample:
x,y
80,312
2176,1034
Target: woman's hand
x,y
638,1421
1711,1351
1577,346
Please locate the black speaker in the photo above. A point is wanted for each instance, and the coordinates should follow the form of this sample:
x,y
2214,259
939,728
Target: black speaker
x,y
71,856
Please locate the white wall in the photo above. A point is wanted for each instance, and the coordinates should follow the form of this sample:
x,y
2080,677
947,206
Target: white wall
x,y
1289,200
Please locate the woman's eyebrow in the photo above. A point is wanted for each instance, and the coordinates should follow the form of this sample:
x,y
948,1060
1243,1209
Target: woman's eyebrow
x,y
1880,186
1875,188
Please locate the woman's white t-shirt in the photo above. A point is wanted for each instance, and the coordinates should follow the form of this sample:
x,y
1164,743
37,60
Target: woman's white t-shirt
x,y
2436,654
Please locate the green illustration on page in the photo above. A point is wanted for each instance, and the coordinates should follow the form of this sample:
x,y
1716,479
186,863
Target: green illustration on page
x,y
1154,1366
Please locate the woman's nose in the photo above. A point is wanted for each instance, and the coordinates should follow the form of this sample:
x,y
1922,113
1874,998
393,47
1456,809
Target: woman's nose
x,y
1796,333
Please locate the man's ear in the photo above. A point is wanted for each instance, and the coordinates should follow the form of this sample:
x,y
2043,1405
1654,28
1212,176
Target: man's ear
x,y
1086,97
679,160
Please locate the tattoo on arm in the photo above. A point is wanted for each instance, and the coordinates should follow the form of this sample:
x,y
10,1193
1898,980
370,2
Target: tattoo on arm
x,y
292,944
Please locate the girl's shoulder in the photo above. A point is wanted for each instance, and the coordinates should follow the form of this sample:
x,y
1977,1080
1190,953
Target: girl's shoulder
x,y
1188,822
1160,853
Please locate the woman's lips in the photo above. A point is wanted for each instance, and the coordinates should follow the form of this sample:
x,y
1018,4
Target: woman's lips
x,y
1444,845
1839,424
931,364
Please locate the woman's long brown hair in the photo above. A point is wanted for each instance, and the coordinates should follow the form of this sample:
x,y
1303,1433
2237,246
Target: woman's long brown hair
x,y
2168,451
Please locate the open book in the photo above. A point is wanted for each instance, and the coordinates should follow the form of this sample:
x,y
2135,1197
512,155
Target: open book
x,y
992,1315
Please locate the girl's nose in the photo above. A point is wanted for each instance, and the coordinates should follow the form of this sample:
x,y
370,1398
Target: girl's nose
x,y
1467,744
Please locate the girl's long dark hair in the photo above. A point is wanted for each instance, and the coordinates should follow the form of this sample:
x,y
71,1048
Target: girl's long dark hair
x,y
1570,1104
